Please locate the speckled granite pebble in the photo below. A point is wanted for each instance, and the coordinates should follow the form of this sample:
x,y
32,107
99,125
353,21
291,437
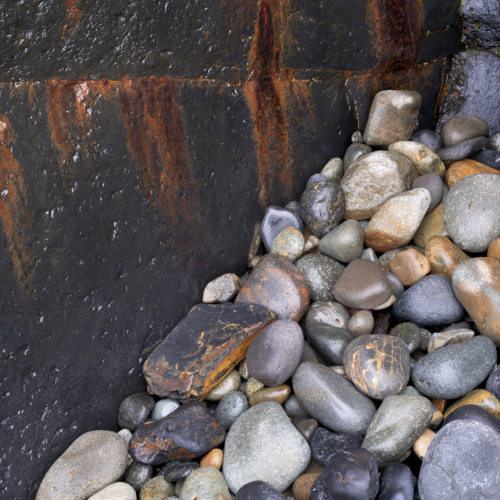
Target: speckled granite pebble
x,y
230,408
138,475
222,289
333,170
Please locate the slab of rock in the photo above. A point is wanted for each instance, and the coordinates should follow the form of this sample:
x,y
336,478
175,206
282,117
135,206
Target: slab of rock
x,y
322,206
432,225
396,483
462,128
430,303
222,289
355,151
443,256
203,348
325,444
362,285
461,169
330,342
258,490
392,117
205,483
263,445
428,138
399,421
344,243
441,339
454,370
397,220
478,397
289,243
332,400
374,178
445,475
351,475
424,159
275,220
187,433
321,273
476,283
278,285
464,149
94,461
409,266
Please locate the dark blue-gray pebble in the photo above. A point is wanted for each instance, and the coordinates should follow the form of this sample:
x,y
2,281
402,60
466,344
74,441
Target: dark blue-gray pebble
x,y
258,490
488,157
134,410
428,138
493,382
396,483
330,342
178,470
476,413
316,178
137,475
325,444
464,149
275,220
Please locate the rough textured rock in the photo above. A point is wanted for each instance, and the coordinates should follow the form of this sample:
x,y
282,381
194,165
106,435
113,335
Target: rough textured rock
x,y
462,128
157,489
325,444
205,483
476,283
432,225
445,475
275,220
392,118
379,365
189,432
230,408
95,460
464,168
371,180
222,289
257,490
454,370
180,368
443,255
424,159
138,475
303,484
332,400
333,170
344,243
262,445
278,285
397,220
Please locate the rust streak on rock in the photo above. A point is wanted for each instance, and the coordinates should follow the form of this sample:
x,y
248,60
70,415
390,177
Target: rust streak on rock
x,y
73,17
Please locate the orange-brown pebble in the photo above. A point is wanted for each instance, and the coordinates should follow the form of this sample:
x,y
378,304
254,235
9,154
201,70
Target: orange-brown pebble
x,y
443,255
409,266
478,397
494,249
303,484
278,394
213,459
440,404
422,443
464,168
431,225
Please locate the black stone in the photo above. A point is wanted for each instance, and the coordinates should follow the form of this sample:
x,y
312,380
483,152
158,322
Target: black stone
x,y
428,138
330,342
275,220
258,490
315,178
325,444
135,410
488,157
137,475
354,151
382,321
464,149
396,483
352,474
476,413
322,206
178,470
306,426
493,382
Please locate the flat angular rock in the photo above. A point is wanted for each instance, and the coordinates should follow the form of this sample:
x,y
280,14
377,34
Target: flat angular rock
x,y
332,400
354,151
379,365
205,483
263,445
428,138
116,491
424,159
325,444
432,225
476,283
94,461
189,432
434,184
464,149
445,475
362,285
462,128
397,220
183,369
222,289
392,117
443,256
344,243
374,178
275,220
330,342
178,470
396,483
430,303
322,206
278,285
398,423
258,490
454,370
464,168
351,475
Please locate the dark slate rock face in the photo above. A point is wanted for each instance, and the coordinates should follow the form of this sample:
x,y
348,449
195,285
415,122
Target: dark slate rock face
x,y
325,444
178,470
322,206
188,432
396,482
275,220
475,413
461,463
430,303
258,490
135,410
180,368
452,371
351,475
493,382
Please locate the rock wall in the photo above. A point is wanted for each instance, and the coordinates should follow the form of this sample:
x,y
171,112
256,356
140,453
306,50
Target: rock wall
x,y
139,144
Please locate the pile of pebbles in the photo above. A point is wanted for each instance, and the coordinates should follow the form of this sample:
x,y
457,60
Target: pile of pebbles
x,y
356,360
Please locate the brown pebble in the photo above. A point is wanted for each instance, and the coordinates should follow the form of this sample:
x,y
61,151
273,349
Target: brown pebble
x,y
278,394
422,443
443,255
213,459
432,225
494,249
440,404
464,168
409,266
478,397
303,484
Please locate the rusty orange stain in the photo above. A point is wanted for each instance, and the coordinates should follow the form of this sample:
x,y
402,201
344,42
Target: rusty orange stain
x,y
73,17
14,209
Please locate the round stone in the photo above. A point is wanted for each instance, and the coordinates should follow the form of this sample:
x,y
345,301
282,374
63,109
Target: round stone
x,y
424,159
409,266
321,273
397,287
443,256
462,128
357,137
213,458
332,400
205,483
325,444
116,491
327,314
379,365
422,443
361,323
222,289
412,335
344,243
177,470
330,342
257,490
262,445
432,225
294,409
230,408
446,475
231,382
475,413
278,394
157,489
430,302
454,370
289,243
322,207
494,249
135,410
333,170
306,426
493,382
463,149
396,482
138,475
369,254
355,151
465,168
164,407
275,220
428,138
351,475
434,184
